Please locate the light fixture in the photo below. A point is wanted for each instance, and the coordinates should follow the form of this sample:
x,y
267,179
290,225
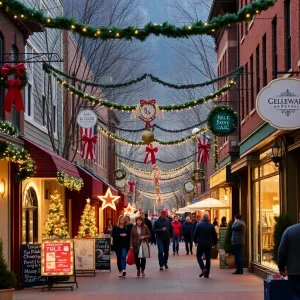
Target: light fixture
x,y
2,187
276,154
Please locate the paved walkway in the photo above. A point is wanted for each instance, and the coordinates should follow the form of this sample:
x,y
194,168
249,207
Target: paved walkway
x,y
180,282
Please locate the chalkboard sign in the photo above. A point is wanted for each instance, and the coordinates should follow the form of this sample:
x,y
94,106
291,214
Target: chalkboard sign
x,y
222,237
31,265
102,248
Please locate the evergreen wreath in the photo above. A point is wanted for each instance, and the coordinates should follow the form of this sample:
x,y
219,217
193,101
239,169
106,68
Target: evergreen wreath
x,y
120,174
19,72
201,175
8,128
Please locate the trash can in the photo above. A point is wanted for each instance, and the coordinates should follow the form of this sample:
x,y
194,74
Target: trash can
x,y
276,289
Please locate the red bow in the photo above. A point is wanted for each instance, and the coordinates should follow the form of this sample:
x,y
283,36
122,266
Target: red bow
x,y
89,142
13,94
203,150
150,151
131,184
18,68
152,101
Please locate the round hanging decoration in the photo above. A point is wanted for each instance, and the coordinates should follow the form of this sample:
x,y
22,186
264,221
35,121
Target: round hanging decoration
x,y
87,118
14,79
189,186
222,120
147,111
148,136
120,174
198,175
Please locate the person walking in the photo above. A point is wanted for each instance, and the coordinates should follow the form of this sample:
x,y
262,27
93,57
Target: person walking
x,y
153,238
128,223
215,222
121,243
164,233
223,222
149,225
238,242
204,238
177,234
140,233
108,230
187,235
288,259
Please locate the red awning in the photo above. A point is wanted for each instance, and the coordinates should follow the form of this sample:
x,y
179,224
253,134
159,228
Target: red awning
x,y
47,162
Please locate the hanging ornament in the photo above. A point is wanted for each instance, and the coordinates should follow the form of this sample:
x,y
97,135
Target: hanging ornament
x,y
108,200
156,175
148,136
203,150
131,184
157,189
120,174
158,201
150,154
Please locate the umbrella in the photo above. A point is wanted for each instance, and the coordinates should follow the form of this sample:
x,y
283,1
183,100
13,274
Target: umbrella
x,y
207,204
185,209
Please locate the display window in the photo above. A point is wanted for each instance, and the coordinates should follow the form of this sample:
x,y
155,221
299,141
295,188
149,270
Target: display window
x,y
266,206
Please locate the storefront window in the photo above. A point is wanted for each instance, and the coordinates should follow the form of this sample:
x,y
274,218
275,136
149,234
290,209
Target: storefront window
x,y
266,206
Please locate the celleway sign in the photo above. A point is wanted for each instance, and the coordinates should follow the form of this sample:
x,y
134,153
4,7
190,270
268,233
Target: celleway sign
x,y
279,103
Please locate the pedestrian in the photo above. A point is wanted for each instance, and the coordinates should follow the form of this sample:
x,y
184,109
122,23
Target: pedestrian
x,y
187,232
238,242
223,222
204,238
288,259
195,221
153,238
164,233
121,243
108,230
177,234
140,233
149,224
128,223
215,222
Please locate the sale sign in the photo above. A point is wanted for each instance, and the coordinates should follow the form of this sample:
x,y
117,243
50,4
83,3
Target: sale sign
x,y
57,257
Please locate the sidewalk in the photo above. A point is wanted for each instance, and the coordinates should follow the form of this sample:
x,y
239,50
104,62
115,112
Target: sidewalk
x,y
180,282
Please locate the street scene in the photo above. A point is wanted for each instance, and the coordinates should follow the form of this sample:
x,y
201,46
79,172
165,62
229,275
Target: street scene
x,y
149,149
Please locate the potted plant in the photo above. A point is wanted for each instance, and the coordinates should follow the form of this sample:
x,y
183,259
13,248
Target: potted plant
x,y
214,252
228,247
282,222
8,279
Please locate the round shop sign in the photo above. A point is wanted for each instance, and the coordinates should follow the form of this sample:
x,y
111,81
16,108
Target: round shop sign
x,y
222,120
87,118
279,103
189,186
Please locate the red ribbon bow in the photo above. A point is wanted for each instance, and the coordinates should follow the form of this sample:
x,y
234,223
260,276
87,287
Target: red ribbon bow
x,y
152,101
13,94
18,68
150,152
90,142
131,184
203,150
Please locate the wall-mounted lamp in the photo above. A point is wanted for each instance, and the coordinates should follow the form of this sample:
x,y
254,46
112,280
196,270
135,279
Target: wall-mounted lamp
x,y
2,187
277,151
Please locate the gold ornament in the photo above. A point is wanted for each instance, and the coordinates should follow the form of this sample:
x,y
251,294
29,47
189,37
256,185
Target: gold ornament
x,y
148,136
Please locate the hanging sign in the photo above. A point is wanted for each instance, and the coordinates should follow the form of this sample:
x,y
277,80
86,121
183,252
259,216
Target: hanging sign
x,y
57,257
102,248
86,118
189,187
279,103
222,120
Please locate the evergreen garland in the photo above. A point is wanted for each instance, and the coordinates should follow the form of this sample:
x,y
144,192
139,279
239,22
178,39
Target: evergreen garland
x,y
21,11
69,182
8,128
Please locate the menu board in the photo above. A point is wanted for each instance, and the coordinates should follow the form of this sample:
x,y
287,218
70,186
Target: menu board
x,y
222,237
31,265
102,247
57,257
84,250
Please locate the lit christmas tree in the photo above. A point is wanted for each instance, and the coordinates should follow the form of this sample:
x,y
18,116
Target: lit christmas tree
x,y
88,221
56,225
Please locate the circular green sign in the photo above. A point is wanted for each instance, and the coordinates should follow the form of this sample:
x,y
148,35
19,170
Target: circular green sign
x,y
222,120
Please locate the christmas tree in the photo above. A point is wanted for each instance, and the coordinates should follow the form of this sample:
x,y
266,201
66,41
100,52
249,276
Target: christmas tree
x,y
88,221
56,225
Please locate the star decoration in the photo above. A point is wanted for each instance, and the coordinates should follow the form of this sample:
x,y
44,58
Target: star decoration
x,y
108,200
88,200
129,209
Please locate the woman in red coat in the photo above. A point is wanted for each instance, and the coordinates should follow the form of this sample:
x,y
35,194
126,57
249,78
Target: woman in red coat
x,y
177,233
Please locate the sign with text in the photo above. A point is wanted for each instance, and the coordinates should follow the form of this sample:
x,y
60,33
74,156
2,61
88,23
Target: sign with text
x,y
222,254
86,118
102,247
84,250
31,265
57,257
279,103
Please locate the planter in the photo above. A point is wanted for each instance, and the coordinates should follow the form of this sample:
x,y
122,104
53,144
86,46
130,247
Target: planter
x,y
230,261
87,236
7,294
214,253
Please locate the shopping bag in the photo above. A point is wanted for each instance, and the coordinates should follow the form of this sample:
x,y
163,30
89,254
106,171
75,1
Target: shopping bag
x,y
130,258
144,251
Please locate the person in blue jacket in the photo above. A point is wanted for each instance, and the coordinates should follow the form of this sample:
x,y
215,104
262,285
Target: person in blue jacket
x,y
187,232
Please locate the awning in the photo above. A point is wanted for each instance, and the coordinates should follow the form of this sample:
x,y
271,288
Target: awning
x,y
47,162
208,204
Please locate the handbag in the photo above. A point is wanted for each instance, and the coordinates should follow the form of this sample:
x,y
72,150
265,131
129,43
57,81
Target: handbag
x,y
144,251
130,258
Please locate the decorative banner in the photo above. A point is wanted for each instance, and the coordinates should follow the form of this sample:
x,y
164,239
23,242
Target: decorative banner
x,y
150,152
87,118
131,184
198,175
108,200
203,150
84,254
279,103
89,139
120,174
222,120
189,186
57,257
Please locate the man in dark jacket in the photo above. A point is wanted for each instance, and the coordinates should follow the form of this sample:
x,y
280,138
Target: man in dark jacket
x,y
288,258
164,233
187,232
149,224
238,241
205,237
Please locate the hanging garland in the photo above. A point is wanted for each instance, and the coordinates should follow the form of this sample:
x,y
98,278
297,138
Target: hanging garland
x,y
48,67
132,108
8,128
162,179
168,30
69,182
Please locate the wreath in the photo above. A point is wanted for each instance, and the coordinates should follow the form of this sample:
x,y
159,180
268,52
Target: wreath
x,y
120,174
184,186
14,79
8,128
226,129
198,175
